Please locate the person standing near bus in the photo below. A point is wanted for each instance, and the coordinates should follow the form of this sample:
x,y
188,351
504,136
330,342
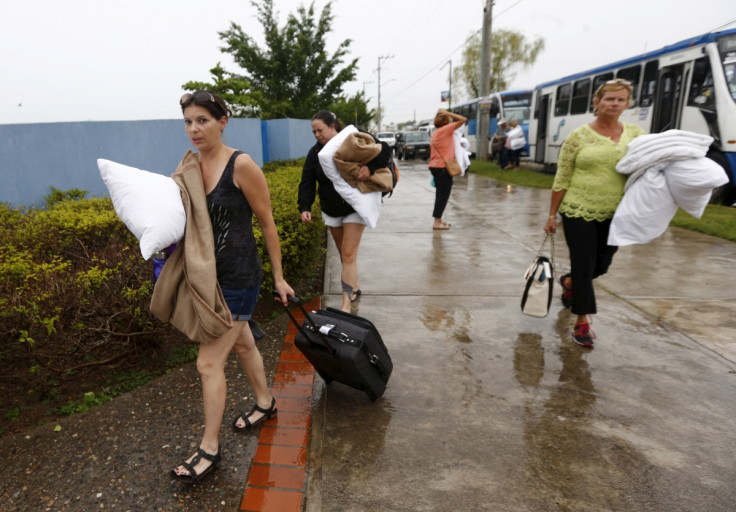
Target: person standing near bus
x,y
441,149
499,141
586,191
515,142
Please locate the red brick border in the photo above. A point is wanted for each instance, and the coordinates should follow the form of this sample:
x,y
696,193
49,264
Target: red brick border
x,y
278,476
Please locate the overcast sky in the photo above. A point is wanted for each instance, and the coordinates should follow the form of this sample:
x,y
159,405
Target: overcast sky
x,y
108,60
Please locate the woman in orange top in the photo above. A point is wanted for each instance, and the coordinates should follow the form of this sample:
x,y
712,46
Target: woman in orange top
x,y
442,148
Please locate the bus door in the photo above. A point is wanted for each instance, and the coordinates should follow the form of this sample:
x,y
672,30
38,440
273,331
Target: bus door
x,y
542,121
668,98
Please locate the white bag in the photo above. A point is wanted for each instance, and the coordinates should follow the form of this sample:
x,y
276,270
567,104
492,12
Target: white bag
x,y
539,281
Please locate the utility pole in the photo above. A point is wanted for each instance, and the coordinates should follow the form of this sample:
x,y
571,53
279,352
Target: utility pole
x,y
378,111
481,134
449,79
356,102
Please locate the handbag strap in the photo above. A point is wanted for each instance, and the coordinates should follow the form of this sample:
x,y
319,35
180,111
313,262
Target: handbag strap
x,y
551,238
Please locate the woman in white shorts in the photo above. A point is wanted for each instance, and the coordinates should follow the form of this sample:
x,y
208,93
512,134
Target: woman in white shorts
x,y
346,226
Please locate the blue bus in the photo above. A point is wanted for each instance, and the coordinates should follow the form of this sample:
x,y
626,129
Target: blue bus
x,y
506,104
689,85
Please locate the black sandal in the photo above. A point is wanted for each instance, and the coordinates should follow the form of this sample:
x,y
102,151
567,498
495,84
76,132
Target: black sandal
x,y
267,415
193,477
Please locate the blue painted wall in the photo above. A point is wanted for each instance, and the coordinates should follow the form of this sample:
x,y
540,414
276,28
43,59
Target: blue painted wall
x,y
34,157
288,137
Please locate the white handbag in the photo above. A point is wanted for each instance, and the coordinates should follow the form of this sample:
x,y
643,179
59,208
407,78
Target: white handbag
x,y
539,280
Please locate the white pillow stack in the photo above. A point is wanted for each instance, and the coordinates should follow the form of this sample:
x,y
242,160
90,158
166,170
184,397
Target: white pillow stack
x,y
149,204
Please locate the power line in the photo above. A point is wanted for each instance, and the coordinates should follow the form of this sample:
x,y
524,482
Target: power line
x,y
433,68
723,26
449,56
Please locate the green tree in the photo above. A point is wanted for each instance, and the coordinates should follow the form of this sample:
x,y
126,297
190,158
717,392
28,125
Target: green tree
x,y
235,90
509,51
292,76
353,110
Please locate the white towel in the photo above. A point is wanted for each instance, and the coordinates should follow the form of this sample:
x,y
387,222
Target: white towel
x,y
652,200
648,150
462,146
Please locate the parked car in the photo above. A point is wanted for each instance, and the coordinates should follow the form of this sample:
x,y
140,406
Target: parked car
x,y
412,145
387,137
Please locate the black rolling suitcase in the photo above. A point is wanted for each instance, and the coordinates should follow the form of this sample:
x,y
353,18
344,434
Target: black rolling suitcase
x,y
344,347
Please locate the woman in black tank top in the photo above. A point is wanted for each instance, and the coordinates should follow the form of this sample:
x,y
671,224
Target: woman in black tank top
x,y
236,188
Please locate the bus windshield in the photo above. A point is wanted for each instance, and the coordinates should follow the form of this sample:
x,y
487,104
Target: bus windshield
x,y
727,49
517,106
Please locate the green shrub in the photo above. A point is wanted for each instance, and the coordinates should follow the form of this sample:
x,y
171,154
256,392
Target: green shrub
x,y
66,276
57,196
302,244
75,294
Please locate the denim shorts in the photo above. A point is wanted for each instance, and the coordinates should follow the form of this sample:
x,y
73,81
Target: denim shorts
x,y
242,302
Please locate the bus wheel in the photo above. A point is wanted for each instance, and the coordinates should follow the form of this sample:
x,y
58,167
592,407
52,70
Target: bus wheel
x,y
725,194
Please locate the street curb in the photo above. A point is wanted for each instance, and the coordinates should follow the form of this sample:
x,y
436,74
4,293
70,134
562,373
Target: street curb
x,y
277,480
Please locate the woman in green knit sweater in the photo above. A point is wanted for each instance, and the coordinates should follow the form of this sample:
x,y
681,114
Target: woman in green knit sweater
x,y
586,192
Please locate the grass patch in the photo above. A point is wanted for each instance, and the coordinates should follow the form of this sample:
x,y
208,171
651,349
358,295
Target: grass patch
x,y
521,177
718,221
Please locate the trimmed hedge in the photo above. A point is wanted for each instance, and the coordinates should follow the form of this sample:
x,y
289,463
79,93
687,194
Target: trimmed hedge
x,y
75,291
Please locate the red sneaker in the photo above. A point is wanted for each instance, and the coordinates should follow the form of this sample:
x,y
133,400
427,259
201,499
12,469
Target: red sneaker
x,y
583,335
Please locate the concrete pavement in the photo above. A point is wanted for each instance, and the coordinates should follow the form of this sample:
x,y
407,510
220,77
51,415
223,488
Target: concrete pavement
x,y
491,410
487,409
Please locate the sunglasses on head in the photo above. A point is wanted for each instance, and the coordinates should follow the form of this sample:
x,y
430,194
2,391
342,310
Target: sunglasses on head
x,y
201,98
618,81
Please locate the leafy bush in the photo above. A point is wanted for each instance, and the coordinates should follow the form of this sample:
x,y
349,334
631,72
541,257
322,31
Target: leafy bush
x,y
302,244
57,196
75,293
67,276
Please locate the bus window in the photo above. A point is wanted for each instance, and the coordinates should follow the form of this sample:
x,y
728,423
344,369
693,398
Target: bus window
x,y
701,87
495,109
580,96
472,110
631,74
727,50
649,84
597,82
562,102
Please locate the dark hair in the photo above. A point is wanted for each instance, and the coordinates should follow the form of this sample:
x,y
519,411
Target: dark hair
x,y
328,118
214,104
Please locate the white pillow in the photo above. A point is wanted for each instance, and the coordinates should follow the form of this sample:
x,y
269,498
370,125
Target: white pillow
x,y
148,203
644,212
691,182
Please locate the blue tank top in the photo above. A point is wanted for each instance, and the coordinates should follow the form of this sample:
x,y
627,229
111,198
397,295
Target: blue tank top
x,y
236,254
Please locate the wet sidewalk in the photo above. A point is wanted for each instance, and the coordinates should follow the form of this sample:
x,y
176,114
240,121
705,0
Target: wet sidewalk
x,y
491,410
486,410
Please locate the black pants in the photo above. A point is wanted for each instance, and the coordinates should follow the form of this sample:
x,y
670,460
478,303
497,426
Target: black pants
x,y
590,257
443,187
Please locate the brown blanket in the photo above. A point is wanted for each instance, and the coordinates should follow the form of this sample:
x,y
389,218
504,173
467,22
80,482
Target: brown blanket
x,y
356,151
187,293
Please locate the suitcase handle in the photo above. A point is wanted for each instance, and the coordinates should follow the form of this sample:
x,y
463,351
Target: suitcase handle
x,y
315,329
